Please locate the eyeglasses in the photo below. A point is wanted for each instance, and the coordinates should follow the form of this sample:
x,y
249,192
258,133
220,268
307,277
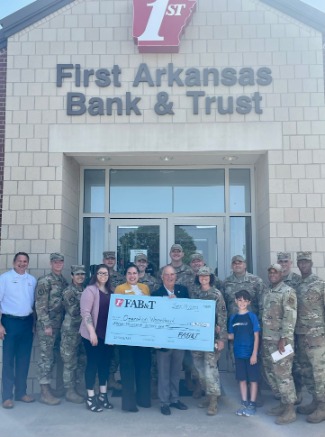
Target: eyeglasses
x,y
79,274
102,274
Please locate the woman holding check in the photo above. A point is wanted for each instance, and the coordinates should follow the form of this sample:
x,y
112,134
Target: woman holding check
x,y
135,361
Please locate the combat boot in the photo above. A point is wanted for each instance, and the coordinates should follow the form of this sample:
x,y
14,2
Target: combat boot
x,y
299,397
113,384
47,397
197,392
309,408
276,411
57,392
213,406
318,415
72,396
288,416
204,403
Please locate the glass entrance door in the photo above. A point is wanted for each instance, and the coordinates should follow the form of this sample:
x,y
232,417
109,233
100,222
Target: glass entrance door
x,y
133,236
200,234
154,237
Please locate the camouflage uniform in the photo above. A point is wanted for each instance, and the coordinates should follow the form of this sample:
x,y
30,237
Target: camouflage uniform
x,y
115,279
195,291
71,347
150,281
253,284
206,362
310,331
279,318
293,280
50,311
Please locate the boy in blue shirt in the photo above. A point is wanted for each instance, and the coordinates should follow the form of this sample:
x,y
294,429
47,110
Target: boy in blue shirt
x,y
244,329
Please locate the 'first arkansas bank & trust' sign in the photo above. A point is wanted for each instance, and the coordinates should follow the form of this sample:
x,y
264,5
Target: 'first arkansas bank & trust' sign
x,y
157,27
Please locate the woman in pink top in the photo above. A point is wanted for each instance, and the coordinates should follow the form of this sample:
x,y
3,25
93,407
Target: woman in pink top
x,y
94,306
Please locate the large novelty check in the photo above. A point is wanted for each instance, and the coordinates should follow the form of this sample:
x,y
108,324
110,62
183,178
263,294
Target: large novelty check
x,y
161,322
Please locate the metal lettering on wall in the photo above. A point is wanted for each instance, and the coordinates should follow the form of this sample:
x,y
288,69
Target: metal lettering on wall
x,y
77,103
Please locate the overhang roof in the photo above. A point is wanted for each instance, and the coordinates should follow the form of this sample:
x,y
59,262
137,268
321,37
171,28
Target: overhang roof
x,y
41,8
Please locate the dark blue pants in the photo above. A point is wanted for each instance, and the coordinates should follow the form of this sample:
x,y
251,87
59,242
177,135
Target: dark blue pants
x,y
17,348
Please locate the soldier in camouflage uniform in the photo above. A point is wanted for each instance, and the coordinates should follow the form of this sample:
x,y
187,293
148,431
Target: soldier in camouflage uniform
x,y
240,279
71,347
141,261
196,262
310,332
50,311
279,319
293,280
184,273
206,363
109,258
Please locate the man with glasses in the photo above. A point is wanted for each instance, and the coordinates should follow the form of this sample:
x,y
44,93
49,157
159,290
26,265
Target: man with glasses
x,y
50,311
71,348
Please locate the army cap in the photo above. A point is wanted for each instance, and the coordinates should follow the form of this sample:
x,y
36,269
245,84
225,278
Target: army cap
x,y
238,258
282,256
196,256
56,256
140,257
276,267
176,247
109,254
304,255
78,269
204,271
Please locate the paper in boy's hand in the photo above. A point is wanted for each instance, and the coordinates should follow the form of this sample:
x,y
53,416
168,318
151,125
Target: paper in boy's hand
x,y
277,356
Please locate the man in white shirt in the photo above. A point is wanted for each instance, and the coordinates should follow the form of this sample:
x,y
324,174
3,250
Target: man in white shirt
x,y
17,295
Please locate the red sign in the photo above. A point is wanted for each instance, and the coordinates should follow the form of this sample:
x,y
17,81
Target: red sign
x,y
158,24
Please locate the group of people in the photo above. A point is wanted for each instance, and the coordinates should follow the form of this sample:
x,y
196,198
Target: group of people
x,y
256,319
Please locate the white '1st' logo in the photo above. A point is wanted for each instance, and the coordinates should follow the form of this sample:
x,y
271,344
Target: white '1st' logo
x,y
160,8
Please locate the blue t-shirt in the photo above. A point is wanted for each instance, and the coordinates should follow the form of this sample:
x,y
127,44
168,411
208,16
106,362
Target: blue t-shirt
x,y
243,327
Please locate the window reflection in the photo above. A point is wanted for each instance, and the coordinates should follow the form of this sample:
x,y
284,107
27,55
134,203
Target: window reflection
x,y
240,192
94,191
93,241
241,239
167,191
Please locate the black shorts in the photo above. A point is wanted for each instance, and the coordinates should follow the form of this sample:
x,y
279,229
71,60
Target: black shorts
x,y
245,371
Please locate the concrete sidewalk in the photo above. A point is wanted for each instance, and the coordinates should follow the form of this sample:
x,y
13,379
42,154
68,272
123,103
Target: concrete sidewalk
x,y
70,420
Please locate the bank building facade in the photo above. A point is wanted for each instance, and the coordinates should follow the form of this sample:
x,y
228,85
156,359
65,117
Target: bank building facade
x,y
130,125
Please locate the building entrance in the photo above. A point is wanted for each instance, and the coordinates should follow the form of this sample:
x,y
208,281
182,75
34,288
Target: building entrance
x,y
154,237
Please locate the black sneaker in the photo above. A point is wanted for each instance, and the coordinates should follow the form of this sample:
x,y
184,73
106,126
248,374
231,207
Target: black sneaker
x,y
165,410
179,405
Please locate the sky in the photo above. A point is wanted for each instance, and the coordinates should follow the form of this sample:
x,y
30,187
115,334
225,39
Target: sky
x,y
7,7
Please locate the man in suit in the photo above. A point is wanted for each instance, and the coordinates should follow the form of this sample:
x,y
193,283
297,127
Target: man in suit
x,y
169,361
